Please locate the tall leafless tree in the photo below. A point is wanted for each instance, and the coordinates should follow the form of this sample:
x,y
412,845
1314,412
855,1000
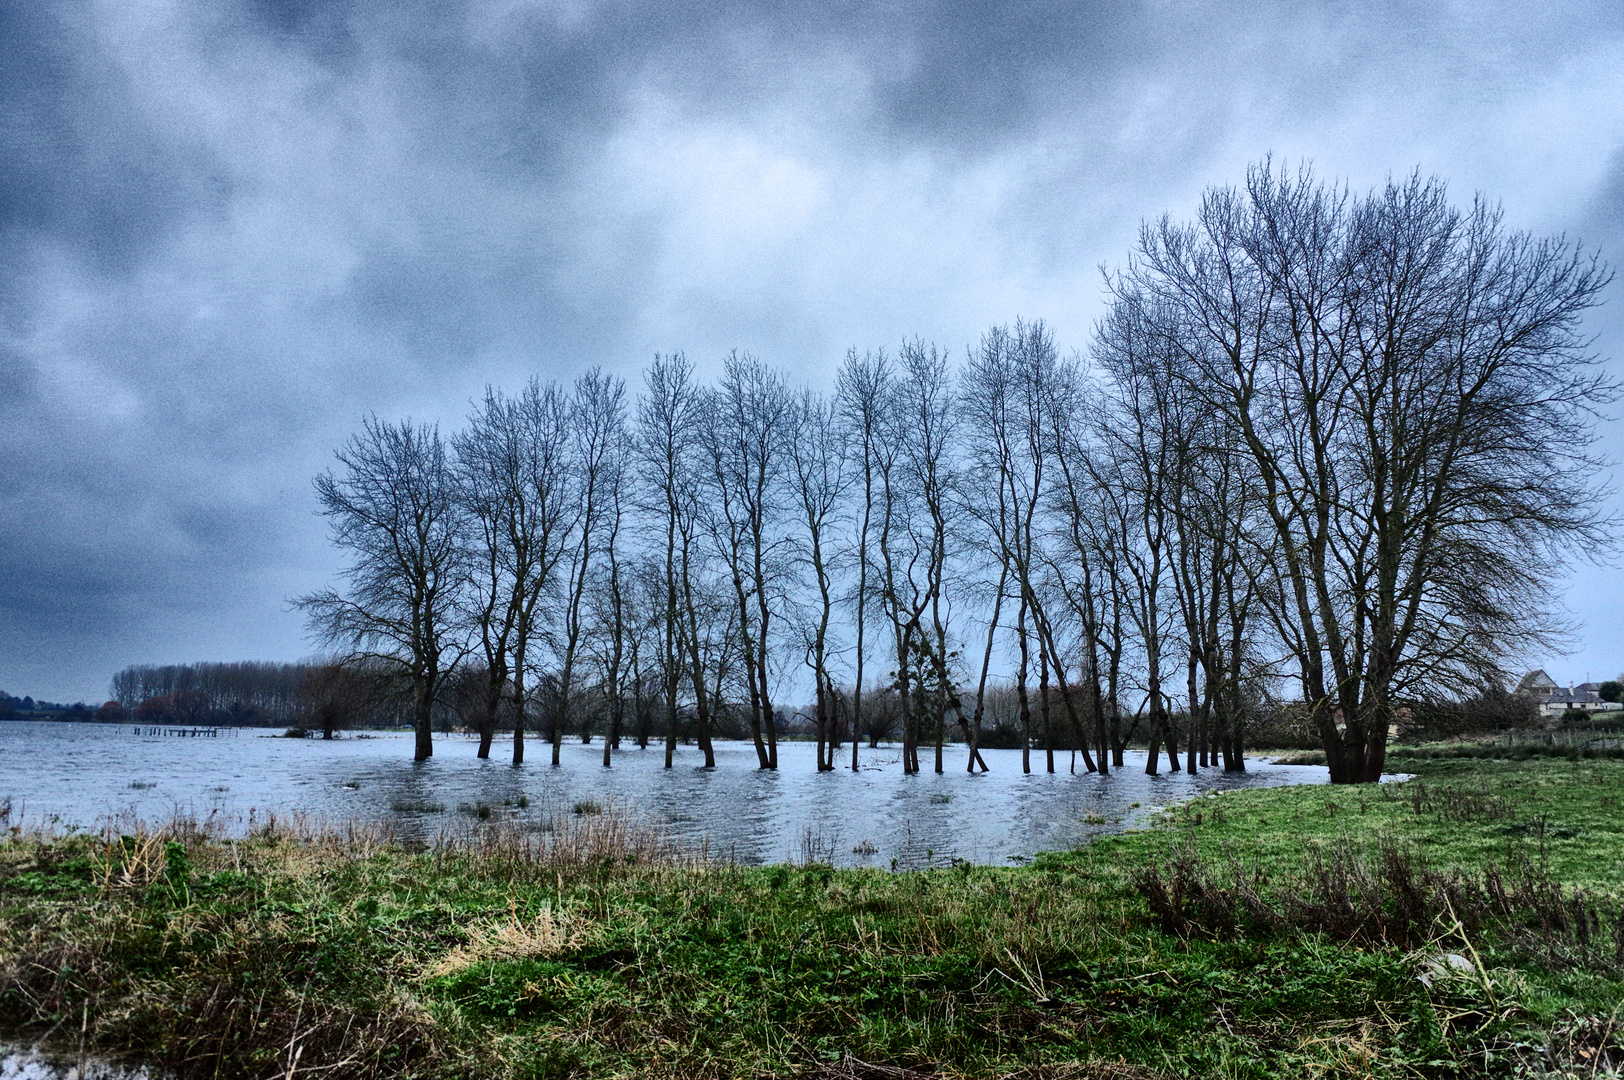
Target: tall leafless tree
x,y
597,430
513,481
1415,398
746,437
863,391
820,473
667,443
921,503
1133,467
393,509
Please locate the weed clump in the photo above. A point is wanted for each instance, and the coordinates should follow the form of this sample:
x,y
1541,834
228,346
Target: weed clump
x,y
416,806
1389,896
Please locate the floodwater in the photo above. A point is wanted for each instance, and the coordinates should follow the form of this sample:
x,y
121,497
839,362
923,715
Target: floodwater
x,y
84,774
33,1064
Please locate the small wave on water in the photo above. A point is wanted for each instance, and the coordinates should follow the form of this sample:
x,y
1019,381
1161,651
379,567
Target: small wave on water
x,y
90,775
34,1064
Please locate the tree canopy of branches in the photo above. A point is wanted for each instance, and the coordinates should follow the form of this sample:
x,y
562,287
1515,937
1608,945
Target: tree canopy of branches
x,y
1325,454
394,510
1406,385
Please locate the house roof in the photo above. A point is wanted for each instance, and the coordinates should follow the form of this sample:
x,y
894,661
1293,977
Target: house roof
x,y
1536,681
1573,696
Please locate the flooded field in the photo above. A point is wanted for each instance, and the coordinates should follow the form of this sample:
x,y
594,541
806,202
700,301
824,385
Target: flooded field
x,y
18,1063
83,774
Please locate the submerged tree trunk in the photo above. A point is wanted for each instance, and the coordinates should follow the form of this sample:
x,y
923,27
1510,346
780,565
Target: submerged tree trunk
x,y
1020,690
1048,647
986,665
422,718
1043,709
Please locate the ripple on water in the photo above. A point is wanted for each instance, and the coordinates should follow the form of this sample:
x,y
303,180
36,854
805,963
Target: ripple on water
x,y
83,773
33,1065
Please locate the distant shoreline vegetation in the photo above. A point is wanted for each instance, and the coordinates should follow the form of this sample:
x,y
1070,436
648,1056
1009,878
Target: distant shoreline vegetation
x,y
26,708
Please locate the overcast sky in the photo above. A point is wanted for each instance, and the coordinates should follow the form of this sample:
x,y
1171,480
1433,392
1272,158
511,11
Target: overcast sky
x,y
228,229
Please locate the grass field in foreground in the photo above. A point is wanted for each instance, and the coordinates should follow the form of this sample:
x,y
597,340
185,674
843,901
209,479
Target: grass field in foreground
x,y
1431,928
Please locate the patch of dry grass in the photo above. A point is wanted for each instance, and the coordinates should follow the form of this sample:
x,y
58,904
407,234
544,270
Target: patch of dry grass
x,y
514,938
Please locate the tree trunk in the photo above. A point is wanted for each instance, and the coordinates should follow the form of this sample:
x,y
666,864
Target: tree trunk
x,y
1043,709
974,733
1047,646
518,716
1020,690
422,716
1195,720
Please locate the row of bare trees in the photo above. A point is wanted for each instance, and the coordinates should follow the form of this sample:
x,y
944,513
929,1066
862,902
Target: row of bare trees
x,y
1323,446
244,688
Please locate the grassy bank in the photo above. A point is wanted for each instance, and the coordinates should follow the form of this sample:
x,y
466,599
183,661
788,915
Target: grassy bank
x,y
1463,924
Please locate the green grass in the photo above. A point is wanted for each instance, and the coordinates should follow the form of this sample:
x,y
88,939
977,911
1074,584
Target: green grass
x,y
597,953
1402,759
1464,813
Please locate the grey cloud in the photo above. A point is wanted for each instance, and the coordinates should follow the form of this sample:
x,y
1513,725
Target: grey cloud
x,y
79,164
231,229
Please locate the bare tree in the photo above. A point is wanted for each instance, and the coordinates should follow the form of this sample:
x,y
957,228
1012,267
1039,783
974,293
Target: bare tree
x,y
667,419
393,509
920,504
514,485
990,401
596,431
820,473
1090,576
745,437
646,629
336,696
861,396
614,629
1045,395
1132,471
1411,388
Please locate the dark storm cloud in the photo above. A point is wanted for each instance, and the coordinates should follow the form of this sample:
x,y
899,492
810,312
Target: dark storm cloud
x,y
230,229
79,164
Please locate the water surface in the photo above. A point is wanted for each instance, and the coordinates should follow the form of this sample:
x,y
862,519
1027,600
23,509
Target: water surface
x,y
33,1064
82,774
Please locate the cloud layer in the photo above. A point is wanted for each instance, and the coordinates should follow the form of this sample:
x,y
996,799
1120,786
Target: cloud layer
x,y
229,229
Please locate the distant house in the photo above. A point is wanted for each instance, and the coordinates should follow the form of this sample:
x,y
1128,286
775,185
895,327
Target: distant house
x,y
1554,700
1536,682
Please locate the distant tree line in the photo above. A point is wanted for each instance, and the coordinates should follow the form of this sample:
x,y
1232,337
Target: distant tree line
x,y
25,706
250,690
321,696
1325,452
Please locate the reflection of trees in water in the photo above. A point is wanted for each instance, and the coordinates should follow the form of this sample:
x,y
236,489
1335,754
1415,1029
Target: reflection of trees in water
x,y
745,815
414,795
501,785
742,813
752,816
918,831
